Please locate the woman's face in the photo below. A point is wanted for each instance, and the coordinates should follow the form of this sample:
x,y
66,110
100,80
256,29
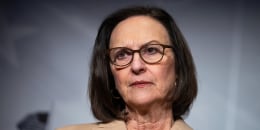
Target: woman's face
x,y
139,83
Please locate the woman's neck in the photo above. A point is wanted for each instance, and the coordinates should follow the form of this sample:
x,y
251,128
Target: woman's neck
x,y
152,119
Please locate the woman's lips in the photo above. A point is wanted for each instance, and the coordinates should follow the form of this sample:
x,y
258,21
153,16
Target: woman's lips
x,y
140,84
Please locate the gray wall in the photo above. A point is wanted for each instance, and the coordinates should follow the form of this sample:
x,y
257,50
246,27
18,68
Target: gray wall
x,y
45,49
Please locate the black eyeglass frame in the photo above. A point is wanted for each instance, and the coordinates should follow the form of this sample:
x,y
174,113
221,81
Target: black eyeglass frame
x,y
138,51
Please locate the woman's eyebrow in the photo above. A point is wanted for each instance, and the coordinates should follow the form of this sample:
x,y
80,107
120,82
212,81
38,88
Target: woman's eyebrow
x,y
128,46
150,42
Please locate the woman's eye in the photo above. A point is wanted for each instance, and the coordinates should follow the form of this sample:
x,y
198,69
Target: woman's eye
x,y
151,50
122,54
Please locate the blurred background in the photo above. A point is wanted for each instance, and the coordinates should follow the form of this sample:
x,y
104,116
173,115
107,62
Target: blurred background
x,y
45,48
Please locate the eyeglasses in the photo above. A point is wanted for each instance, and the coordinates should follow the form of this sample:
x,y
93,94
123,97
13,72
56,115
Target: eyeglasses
x,y
149,53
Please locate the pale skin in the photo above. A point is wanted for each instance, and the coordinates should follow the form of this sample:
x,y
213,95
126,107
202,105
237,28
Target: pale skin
x,y
145,88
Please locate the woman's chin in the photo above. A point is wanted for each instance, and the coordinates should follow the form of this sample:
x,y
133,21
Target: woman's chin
x,y
142,101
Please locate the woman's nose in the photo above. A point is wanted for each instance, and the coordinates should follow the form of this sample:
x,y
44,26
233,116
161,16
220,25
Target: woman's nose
x,y
138,66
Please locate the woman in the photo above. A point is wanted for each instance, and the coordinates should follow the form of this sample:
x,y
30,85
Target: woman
x,y
142,73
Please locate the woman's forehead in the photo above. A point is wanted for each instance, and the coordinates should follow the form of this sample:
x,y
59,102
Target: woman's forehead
x,y
138,30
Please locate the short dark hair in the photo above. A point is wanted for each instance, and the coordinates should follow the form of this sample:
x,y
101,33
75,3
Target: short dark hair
x,y
102,92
